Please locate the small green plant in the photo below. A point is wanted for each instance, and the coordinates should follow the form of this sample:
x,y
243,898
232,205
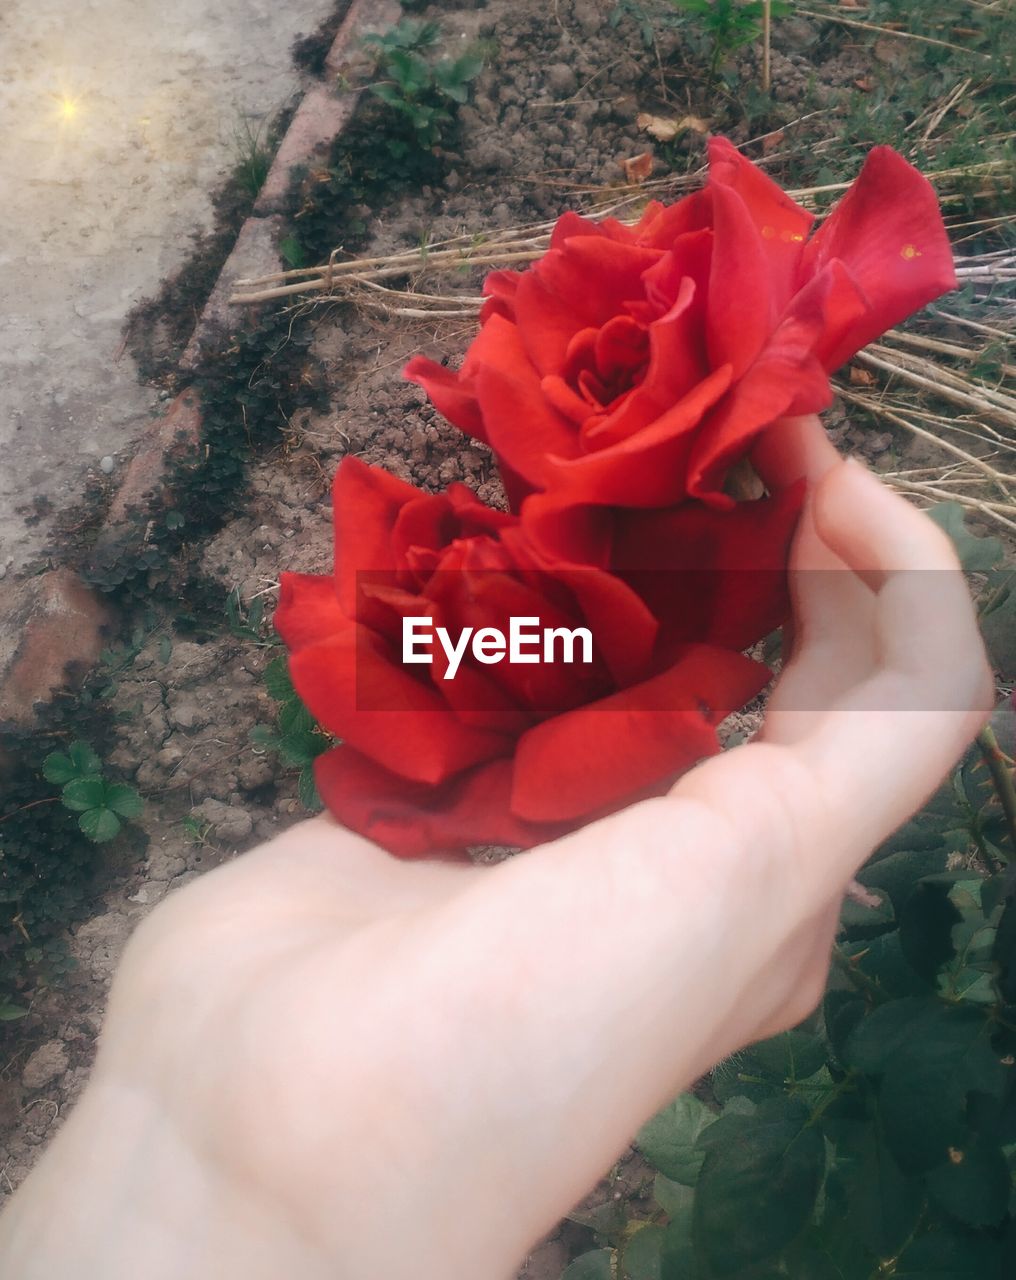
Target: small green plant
x,y
253,157
421,89
101,805
250,625
727,25
296,737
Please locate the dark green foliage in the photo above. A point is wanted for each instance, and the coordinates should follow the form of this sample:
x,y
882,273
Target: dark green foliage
x,y
100,804
396,142
47,865
296,738
880,1138
726,25
420,89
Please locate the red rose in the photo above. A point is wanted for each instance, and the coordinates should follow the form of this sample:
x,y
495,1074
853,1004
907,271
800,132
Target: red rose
x,y
510,753
631,366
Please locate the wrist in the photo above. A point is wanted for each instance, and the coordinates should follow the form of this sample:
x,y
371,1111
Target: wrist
x,y
118,1194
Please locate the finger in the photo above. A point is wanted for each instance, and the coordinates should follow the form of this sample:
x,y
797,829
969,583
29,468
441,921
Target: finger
x,y
793,449
880,752
833,614
926,621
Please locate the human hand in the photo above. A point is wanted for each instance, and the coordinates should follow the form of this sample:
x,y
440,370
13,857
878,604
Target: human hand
x,y
321,1061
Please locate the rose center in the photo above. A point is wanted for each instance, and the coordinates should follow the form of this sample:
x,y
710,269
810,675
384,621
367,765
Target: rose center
x,y
604,364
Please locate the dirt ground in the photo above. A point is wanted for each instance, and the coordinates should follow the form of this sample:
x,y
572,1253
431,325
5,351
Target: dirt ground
x,y
118,120
554,111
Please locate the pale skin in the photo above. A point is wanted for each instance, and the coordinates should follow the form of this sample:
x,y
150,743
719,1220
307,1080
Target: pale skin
x,y
319,1061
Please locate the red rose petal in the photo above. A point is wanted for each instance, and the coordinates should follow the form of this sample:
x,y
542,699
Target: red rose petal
x,y
780,222
308,610
451,394
646,469
741,596
787,377
500,288
741,313
366,504
595,277
661,225
355,691
547,323
413,820
595,756
522,428
888,231
677,362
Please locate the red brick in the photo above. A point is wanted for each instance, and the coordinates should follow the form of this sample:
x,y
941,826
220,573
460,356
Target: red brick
x,y
363,17
255,254
168,437
52,631
318,121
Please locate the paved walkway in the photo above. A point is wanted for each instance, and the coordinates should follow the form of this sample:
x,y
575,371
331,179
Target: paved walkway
x,y
117,117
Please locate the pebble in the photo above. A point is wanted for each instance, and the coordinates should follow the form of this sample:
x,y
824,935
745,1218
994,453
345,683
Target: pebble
x,y
106,464
46,1064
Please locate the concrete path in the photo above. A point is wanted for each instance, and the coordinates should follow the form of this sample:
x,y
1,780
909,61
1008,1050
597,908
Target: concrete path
x,y
117,117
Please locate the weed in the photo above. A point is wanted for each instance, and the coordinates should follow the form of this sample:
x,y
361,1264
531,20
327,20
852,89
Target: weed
x,y
420,89
253,157
296,738
726,25
101,805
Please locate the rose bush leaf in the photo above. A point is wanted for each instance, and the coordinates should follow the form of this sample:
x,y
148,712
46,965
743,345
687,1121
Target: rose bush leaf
x,y
756,1192
669,1140
973,1184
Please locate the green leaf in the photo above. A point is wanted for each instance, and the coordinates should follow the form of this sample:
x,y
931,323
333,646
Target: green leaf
x,y
294,718
11,1012
307,790
791,1056
84,759
973,1184
674,1198
58,768
84,793
669,1140
278,681
998,627
591,1266
642,1256
677,1254
756,1192
841,1012
124,800
926,929
860,919
942,1256
99,825
302,748
883,1204
976,554
80,761
881,961
898,874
